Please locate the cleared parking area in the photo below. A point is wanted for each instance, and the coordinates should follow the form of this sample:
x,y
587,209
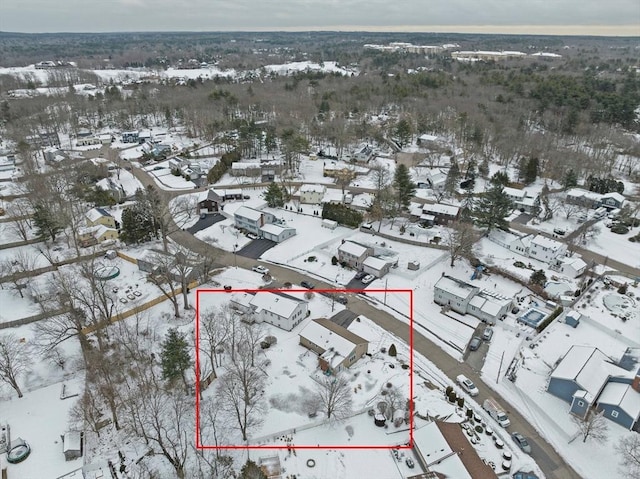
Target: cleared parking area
x,y
256,248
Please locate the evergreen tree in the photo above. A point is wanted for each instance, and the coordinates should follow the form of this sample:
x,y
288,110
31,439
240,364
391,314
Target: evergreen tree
x,y
570,179
138,225
251,471
405,188
500,178
47,225
403,132
274,196
530,170
538,277
175,356
453,176
492,208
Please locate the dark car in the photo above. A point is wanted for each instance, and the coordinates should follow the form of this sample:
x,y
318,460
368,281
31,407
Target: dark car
x,y
475,343
522,443
342,299
360,275
307,284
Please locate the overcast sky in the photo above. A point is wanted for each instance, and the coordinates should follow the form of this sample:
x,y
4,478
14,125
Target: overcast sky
x,y
216,15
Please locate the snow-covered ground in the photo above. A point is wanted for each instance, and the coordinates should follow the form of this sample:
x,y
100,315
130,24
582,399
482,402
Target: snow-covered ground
x,y
550,415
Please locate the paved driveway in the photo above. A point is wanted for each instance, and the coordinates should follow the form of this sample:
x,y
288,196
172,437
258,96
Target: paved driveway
x,y
206,222
256,248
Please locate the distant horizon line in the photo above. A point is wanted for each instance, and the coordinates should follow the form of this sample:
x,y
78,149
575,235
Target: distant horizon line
x,y
534,30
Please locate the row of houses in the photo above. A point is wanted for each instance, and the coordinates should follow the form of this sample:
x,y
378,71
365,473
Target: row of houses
x,y
465,298
541,248
588,379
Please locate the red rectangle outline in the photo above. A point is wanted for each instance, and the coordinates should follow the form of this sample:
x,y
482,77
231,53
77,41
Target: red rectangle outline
x,y
247,447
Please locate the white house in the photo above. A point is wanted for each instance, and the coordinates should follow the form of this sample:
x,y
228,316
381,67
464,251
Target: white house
x,y
545,249
251,219
571,267
465,298
522,199
312,194
279,309
277,233
452,292
377,267
353,254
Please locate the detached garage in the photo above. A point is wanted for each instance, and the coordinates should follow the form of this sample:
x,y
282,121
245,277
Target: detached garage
x,y
277,233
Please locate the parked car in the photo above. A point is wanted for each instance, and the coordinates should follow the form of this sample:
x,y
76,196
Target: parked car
x,y
203,216
252,236
227,288
559,231
410,463
521,442
467,384
342,299
475,343
260,269
360,275
367,279
487,334
307,284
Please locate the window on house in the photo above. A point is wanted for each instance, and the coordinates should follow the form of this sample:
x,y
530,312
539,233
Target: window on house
x,y
614,413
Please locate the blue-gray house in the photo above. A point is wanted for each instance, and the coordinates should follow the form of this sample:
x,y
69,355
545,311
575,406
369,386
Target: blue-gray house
x,y
586,377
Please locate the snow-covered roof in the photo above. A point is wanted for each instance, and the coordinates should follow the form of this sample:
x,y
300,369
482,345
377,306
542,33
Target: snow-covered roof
x,y
274,229
455,286
313,189
426,137
376,263
575,263
515,192
616,196
279,304
94,214
72,440
248,213
332,338
580,193
349,247
432,446
545,242
588,367
239,165
441,209
623,396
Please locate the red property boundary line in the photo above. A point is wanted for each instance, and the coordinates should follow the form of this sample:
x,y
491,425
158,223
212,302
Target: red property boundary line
x,y
332,291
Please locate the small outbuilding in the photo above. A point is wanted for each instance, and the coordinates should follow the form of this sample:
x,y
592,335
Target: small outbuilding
x,y
72,445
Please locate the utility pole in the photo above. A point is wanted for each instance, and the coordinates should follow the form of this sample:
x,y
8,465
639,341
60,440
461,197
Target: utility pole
x,y
386,282
500,367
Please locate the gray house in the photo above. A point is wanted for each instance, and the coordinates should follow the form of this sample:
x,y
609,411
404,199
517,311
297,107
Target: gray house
x,y
586,377
252,220
277,233
353,254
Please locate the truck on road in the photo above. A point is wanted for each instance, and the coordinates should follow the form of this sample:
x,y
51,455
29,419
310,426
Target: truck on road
x,y
496,412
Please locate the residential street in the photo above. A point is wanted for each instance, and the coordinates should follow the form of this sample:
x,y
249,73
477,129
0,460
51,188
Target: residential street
x,y
545,455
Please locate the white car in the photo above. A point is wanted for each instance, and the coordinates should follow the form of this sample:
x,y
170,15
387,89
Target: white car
x,y
260,269
467,384
367,279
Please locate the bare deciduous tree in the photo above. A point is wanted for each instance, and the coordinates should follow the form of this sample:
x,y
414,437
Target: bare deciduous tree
x,y
628,447
14,361
335,396
460,240
593,426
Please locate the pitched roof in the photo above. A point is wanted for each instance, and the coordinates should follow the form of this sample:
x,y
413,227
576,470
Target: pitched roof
x,y
248,213
279,304
623,396
588,367
350,247
376,263
441,209
455,286
94,214
332,338
275,229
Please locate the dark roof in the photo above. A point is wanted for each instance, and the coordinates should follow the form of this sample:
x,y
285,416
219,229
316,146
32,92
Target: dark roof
x,y
452,432
103,212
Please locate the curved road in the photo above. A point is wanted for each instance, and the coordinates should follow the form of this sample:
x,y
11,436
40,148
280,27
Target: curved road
x,y
553,466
